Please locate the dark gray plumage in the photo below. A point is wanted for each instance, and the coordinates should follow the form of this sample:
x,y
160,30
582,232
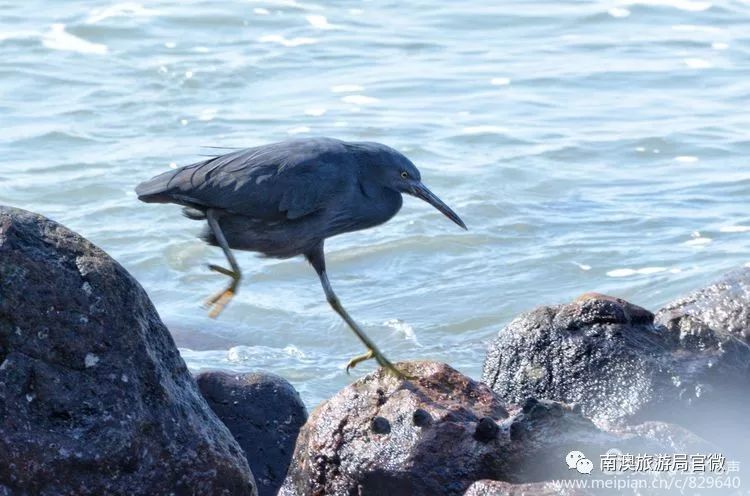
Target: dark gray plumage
x,y
284,199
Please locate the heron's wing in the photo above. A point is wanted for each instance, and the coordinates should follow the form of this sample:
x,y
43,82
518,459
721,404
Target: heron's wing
x,y
282,180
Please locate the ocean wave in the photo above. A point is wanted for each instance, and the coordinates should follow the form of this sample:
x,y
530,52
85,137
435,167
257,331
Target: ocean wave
x,y
59,39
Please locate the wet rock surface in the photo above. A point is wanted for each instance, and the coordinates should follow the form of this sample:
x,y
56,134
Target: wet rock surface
x,y
498,488
599,352
94,397
437,434
687,365
264,413
711,327
620,364
712,315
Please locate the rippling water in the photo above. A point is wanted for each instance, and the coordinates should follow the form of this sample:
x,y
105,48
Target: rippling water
x,y
588,146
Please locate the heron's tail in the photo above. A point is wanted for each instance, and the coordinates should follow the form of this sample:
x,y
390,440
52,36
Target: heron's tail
x,y
155,189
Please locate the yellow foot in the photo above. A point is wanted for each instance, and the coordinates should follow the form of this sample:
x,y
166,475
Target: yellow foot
x,y
217,302
357,359
382,361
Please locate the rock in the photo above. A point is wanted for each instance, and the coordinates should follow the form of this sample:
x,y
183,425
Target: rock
x,y
264,413
439,438
674,438
600,352
689,366
94,397
499,488
713,315
711,327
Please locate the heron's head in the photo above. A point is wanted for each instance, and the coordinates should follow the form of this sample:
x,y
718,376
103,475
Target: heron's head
x,y
396,172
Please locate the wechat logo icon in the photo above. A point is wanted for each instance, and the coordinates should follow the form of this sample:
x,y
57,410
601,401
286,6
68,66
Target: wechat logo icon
x,y
577,460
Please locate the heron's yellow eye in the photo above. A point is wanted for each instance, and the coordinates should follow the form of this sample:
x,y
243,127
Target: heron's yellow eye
x,y
404,174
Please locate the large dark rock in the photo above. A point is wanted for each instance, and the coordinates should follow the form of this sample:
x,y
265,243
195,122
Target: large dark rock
x,y
708,314
690,365
264,413
602,353
436,435
711,327
94,397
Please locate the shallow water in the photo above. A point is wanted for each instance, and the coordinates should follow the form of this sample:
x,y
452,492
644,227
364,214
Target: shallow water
x,y
589,146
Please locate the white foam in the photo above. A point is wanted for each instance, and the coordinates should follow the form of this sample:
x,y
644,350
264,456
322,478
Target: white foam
x,y
734,229
696,63
315,111
293,351
632,272
621,273
403,327
125,9
618,12
261,11
287,42
318,21
700,241
242,353
719,45
500,81
238,354
58,39
582,266
686,159
359,99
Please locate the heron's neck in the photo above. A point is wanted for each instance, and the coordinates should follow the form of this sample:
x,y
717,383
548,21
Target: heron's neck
x,y
382,207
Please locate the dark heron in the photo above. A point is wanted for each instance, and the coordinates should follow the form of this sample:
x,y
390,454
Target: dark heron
x,y
285,199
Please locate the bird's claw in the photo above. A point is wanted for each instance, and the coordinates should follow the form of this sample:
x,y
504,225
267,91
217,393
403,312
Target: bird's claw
x,y
382,361
217,303
360,358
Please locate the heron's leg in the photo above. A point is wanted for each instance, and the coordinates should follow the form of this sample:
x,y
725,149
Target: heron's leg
x,y
217,302
318,262
221,270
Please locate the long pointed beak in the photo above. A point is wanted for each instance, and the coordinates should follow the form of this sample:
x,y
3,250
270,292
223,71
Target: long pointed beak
x,y
420,191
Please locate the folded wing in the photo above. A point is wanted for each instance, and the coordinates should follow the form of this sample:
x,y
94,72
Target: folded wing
x,y
289,180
